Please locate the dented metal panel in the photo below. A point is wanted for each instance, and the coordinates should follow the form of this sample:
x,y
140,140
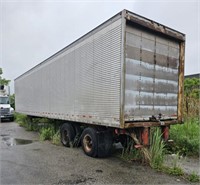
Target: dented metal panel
x,y
152,64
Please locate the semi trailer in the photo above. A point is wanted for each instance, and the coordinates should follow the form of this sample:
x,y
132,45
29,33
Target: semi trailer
x,y
121,78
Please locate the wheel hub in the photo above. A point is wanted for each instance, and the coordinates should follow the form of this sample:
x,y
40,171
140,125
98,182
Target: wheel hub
x,y
87,141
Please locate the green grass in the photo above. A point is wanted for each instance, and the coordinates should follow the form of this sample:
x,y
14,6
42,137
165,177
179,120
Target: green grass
x,y
193,177
46,133
156,149
24,121
47,128
56,138
129,153
186,138
175,170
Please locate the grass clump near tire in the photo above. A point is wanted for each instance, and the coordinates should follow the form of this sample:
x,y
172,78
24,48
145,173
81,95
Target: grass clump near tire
x,y
46,133
56,138
193,177
24,121
21,119
186,137
154,155
157,148
48,129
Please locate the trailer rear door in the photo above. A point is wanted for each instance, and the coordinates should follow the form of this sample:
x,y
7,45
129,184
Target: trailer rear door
x,y
151,77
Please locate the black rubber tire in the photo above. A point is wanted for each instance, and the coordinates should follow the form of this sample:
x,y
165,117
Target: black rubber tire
x,y
78,132
67,134
89,141
77,129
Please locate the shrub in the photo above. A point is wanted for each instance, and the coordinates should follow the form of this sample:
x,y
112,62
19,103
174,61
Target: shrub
x,y
193,177
26,122
56,138
186,137
46,133
21,119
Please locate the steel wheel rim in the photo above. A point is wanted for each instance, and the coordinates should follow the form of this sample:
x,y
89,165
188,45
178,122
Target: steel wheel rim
x,y
87,142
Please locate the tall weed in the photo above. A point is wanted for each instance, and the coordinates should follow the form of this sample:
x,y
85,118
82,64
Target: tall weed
x,y
56,138
186,137
156,148
46,133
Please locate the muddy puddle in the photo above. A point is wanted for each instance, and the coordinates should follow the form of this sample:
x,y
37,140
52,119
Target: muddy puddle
x,y
9,141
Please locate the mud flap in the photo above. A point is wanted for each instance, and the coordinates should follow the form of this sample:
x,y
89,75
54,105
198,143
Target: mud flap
x,y
105,141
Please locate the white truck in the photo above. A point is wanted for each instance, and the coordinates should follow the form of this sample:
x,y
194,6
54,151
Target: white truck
x,y
119,79
6,111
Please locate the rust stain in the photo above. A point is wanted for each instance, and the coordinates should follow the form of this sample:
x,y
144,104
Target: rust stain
x,y
181,81
149,123
145,136
156,27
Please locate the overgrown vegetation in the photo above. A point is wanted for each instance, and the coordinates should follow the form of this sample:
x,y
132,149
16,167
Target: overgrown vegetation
x,y
193,177
186,138
176,171
129,153
47,129
157,148
46,133
56,138
12,100
22,120
191,97
155,152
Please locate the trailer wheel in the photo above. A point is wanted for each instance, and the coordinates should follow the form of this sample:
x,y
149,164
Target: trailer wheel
x,y
89,142
67,134
78,132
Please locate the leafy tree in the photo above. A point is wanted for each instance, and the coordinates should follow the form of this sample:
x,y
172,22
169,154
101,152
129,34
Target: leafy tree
x,y
191,94
12,100
192,87
3,81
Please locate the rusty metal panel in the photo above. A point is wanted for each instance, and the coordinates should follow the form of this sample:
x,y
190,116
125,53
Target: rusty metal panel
x,y
151,86
154,26
81,83
181,82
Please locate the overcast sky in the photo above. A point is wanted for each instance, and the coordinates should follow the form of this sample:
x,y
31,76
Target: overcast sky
x,y
31,31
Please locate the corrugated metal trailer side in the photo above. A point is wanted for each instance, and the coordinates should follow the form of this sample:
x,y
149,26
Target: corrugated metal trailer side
x,y
80,83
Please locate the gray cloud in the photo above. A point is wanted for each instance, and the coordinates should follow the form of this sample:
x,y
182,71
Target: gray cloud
x,y
33,31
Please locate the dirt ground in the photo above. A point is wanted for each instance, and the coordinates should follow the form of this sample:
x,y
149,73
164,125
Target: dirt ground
x,y
31,161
